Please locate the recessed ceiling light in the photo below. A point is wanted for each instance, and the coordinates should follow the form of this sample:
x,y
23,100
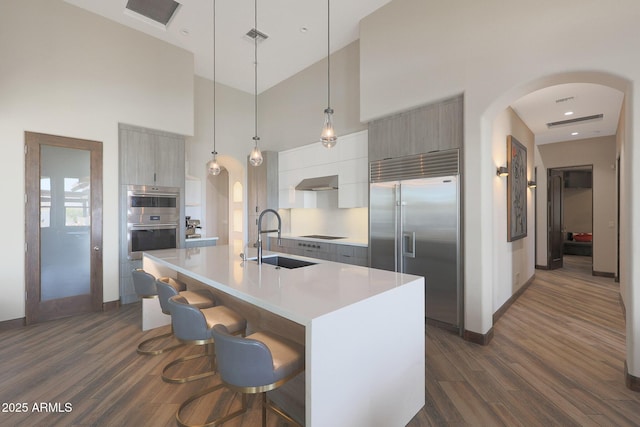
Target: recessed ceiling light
x,y
304,29
568,113
574,133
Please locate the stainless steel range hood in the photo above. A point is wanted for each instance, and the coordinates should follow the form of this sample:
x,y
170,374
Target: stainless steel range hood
x,y
320,183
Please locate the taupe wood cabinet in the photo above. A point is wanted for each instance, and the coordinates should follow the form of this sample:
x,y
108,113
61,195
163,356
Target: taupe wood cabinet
x,y
434,127
147,157
347,254
262,192
150,157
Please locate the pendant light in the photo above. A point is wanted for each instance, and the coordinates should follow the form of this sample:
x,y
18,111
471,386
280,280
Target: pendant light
x,y
255,158
212,166
328,136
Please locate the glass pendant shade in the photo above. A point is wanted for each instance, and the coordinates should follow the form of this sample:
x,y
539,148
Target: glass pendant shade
x,y
212,166
328,136
255,158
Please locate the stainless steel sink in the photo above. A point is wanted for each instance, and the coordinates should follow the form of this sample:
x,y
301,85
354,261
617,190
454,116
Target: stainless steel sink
x,y
284,262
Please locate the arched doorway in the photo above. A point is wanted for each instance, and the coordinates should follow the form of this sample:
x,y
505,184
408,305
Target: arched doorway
x,y
620,165
224,198
217,202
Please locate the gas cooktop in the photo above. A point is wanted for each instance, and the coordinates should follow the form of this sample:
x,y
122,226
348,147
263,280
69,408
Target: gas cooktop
x,y
320,236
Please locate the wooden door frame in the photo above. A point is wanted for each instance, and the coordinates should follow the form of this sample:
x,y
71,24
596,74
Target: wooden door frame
x,y
34,312
550,174
618,196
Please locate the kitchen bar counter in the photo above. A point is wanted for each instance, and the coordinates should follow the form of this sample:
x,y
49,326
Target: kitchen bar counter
x,y
364,330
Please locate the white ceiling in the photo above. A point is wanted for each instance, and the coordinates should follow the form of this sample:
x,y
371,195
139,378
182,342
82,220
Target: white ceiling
x,y
286,52
583,99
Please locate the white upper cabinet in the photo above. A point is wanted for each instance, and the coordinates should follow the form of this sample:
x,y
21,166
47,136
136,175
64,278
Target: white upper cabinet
x,y
192,191
348,159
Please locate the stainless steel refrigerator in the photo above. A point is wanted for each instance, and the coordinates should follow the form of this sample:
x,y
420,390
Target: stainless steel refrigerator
x,y
414,227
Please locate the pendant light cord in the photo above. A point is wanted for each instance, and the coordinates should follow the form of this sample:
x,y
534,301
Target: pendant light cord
x,y
255,59
328,55
214,77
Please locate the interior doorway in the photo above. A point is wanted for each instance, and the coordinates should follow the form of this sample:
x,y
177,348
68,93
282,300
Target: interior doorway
x,y
570,217
217,216
63,263
554,220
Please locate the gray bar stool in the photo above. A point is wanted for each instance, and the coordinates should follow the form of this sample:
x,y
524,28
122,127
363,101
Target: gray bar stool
x,y
192,326
144,285
168,287
258,363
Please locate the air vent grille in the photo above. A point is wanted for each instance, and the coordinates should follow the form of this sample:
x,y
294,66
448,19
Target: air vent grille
x,y
427,165
254,34
575,121
160,11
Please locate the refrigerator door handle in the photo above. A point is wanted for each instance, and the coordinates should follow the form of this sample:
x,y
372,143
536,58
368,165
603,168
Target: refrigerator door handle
x,y
409,244
397,218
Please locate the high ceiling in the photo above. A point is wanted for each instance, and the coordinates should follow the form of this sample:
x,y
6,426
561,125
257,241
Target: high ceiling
x,y
297,34
583,100
297,38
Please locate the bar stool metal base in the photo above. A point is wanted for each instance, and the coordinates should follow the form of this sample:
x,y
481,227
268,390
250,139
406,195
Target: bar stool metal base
x,y
141,347
212,423
265,403
209,353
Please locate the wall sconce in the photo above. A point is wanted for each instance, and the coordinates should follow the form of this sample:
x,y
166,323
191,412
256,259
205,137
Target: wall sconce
x,y
502,171
532,184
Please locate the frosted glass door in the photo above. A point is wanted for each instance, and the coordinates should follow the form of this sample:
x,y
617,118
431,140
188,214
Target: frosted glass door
x,y
65,222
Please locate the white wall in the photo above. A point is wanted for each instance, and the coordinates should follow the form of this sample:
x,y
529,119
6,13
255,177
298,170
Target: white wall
x,y
577,205
234,130
513,262
67,72
292,112
414,52
601,153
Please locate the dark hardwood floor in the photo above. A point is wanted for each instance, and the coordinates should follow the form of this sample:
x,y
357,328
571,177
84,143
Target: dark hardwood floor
x,y
556,360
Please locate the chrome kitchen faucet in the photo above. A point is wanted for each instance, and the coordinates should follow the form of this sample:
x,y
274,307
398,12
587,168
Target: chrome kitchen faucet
x,y
260,231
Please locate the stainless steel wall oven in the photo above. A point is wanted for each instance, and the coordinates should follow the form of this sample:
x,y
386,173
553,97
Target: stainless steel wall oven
x,y
153,218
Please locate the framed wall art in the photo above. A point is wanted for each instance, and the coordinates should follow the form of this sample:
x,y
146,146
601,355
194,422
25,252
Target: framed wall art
x,y
516,189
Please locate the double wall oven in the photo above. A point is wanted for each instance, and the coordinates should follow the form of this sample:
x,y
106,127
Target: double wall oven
x,y
153,219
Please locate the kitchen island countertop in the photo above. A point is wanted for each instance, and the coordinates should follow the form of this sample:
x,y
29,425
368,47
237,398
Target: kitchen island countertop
x,y
364,329
300,294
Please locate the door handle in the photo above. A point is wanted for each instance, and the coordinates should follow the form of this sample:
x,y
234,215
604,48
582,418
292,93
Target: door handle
x,y
409,244
96,248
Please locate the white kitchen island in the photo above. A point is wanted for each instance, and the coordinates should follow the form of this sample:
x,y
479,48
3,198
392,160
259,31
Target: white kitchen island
x,y
363,329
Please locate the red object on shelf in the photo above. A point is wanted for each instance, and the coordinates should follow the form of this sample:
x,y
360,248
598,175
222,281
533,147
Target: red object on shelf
x,y
582,237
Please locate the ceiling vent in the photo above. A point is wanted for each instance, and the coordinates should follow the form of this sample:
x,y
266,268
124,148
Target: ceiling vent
x,y
254,34
577,120
160,11
568,98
